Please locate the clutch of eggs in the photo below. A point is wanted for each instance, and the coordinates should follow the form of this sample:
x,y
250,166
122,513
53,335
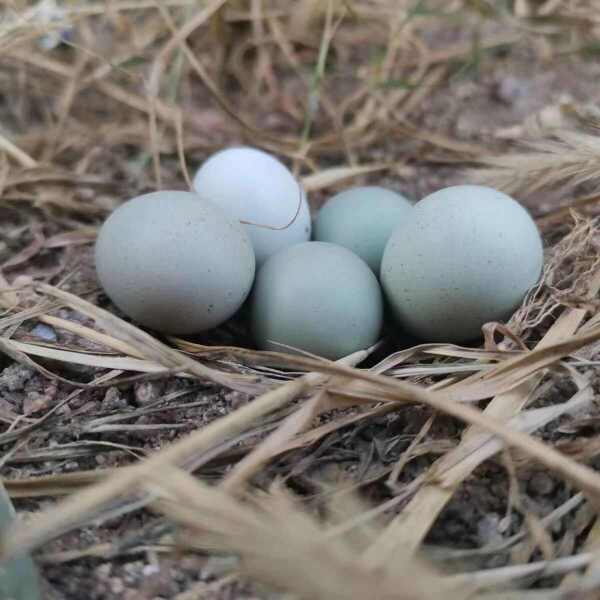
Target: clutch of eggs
x,y
182,262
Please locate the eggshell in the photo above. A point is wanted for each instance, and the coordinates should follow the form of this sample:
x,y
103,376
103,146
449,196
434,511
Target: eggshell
x,y
253,186
362,220
174,263
316,297
465,256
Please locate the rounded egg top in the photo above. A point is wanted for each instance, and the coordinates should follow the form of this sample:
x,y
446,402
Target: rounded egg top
x,y
362,220
256,188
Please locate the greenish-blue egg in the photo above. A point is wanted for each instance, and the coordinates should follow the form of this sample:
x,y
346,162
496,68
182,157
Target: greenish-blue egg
x,y
317,297
362,220
466,255
174,262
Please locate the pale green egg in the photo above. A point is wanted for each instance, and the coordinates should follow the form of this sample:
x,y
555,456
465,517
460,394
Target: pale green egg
x,y
362,220
466,255
174,262
316,297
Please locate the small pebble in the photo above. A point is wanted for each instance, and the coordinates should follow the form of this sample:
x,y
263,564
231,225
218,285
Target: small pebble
x,y
488,529
150,569
103,570
116,585
236,399
44,332
148,392
511,90
541,484
113,400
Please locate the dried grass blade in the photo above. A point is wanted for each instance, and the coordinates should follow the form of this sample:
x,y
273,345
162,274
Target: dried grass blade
x,y
507,575
8,347
122,363
8,297
16,153
147,345
91,334
54,485
245,469
411,526
517,370
456,466
81,235
334,175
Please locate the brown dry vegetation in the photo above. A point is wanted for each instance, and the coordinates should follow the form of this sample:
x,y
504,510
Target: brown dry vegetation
x,y
145,467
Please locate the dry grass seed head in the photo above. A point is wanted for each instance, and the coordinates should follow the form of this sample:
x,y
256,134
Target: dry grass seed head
x,y
571,157
568,271
283,546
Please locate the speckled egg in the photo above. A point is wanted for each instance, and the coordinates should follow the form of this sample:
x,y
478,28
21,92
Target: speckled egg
x,y
467,255
254,187
362,220
316,297
174,263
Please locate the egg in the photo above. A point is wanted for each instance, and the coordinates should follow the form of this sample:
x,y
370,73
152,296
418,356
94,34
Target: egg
x,y
174,263
467,255
362,220
254,187
316,297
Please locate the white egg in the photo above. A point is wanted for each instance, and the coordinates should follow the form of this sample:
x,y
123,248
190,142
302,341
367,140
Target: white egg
x,y
466,255
253,186
174,263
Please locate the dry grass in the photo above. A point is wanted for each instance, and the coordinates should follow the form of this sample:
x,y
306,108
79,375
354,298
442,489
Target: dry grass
x,y
139,93
571,157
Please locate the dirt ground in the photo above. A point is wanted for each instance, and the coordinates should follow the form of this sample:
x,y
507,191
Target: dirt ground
x,y
480,103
